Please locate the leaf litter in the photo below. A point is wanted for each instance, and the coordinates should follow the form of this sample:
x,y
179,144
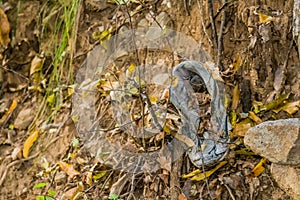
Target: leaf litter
x,y
239,162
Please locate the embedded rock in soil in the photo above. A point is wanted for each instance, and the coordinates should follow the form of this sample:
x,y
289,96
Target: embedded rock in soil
x,y
278,141
24,119
288,178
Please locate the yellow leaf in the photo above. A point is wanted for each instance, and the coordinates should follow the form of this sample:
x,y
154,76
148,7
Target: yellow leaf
x,y
258,169
166,129
257,106
51,99
235,97
29,142
12,107
68,168
226,101
70,91
233,118
104,36
4,29
245,151
254,117
271,105
153,99
193,173
265,18
99,175
237,63
130,70
75,118
290,107
196,176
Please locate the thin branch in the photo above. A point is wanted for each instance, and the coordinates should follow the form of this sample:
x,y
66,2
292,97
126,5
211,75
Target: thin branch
x,y
219,12
220,38
212,21
203,25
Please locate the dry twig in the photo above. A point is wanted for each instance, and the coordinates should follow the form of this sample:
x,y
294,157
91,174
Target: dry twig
x,y
220,38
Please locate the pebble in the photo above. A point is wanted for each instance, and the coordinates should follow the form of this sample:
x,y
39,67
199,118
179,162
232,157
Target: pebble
x,y
278,141
24,118
288,178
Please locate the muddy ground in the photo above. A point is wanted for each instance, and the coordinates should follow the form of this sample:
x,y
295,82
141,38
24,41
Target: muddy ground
x,y
258,55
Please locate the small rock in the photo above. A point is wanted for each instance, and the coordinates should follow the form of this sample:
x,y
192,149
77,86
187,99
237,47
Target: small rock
x,y
24,119
278,141
288,178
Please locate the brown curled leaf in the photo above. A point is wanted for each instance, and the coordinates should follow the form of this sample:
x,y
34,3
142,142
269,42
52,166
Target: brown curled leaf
x,y
4,29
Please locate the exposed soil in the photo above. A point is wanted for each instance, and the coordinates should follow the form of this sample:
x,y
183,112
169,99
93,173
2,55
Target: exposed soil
x,y
259,56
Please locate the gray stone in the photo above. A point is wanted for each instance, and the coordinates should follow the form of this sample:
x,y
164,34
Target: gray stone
x,y
288,178
24,118
278,141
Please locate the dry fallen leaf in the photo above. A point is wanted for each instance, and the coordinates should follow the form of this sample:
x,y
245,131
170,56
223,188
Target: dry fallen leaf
x,y
4,29
259,107
36,64
258,169
193,173
245,151
9,111
242,127
254,117
235,97
109,85
99,175
265,18
35,71
89,178
130,70
290,107
197,176
182,197
29,142
68,168
237,63
74,192
103,37
233,118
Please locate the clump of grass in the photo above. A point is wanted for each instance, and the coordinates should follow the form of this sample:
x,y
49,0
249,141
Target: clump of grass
x,y
58,28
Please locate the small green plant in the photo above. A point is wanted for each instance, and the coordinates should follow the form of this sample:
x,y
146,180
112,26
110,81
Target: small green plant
x,y
39,185
45,198
113,197
51,193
